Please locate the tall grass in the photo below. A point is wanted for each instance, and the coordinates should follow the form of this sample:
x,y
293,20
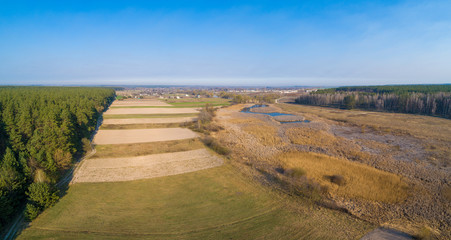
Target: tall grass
x,y
362,181
266,134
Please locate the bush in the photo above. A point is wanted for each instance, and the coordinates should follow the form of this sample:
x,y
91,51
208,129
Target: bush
x,y
215,146
31,211
425,234
295,172
337,179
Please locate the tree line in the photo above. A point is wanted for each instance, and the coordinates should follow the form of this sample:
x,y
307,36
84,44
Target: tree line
x,y
398,89
427,100
42,130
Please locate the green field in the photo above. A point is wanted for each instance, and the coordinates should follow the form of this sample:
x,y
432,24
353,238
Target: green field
x,y
172,115
211,204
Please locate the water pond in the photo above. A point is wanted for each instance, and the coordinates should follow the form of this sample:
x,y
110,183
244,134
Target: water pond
x,y
272,114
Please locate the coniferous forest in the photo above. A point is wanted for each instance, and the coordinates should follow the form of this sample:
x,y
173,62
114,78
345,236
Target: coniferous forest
x,y
42,131
434,100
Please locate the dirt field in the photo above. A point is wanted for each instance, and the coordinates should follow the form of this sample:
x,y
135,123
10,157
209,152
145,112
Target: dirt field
x,y
150,102
142,167
142,135
148,120
112,111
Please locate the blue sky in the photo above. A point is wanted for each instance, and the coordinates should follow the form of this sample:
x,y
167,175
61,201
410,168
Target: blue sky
x,y
225,42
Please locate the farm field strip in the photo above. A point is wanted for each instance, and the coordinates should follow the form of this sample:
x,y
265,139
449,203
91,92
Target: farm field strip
x,y
142,135
140,149
142,167
148,120
155,115
140,126
139,103
113,111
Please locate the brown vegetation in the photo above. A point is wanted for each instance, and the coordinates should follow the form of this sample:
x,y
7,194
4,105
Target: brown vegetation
x,y
266,134
394,165
362,181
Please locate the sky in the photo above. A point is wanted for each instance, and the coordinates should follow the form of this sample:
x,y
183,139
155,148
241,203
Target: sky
x,y
264,43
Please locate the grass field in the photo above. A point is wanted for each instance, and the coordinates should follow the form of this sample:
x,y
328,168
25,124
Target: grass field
x,y
211,204
139,149
360,181
173,115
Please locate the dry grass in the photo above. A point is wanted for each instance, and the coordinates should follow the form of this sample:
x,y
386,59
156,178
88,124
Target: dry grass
x,y
416,125
308,136
266,135
362,181
436,131
336,146
139,149
140,126
245,120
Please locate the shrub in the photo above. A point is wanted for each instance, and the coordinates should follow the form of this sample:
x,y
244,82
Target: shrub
x,y
425,234
215,146
31,211
295,172
337,179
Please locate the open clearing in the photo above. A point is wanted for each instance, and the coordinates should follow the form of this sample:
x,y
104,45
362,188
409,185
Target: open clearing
x,y
215,203
148,120
114,111
142,135
142,167
150,102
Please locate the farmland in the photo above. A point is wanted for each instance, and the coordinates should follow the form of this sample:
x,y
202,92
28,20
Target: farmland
x,y
208,201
